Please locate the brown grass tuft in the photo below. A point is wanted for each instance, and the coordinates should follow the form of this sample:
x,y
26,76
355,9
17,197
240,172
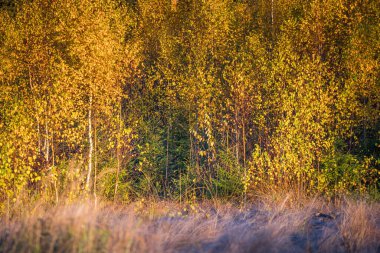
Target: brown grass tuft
x,y
146,226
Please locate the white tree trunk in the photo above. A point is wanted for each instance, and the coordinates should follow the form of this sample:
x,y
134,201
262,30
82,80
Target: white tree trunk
x,y
46,142
90,145
118,146
272,15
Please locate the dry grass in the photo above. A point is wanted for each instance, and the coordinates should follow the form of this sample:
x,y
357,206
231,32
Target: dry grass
x,y
151,226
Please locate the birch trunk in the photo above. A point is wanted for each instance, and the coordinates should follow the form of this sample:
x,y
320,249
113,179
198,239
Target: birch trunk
x,y
118,145
90,145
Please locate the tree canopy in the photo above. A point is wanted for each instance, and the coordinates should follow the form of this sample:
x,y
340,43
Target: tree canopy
x,y
189,98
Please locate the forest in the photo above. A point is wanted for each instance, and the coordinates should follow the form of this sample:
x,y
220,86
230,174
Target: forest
x,y
187,121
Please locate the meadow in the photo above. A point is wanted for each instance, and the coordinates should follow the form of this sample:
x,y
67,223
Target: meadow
x,y
285,224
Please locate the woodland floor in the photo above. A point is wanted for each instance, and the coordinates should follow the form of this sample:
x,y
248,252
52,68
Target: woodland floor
x,y
150,226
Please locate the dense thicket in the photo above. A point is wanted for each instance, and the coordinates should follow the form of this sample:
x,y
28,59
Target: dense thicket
x,y
189,98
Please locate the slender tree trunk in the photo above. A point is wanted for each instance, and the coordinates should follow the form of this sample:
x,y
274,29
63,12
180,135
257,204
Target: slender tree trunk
x,y
90,151
95,163
227,140
237,134
244,142
197,147
46,144
191,141
53,164
52,150
272,13
180,186
46,141
39,136
272,19
118,152
244,159
167,156
47,137
37,115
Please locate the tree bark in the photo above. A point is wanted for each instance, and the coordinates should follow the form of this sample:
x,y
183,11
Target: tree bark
x,y
167,157
95,163
272,14
118,144
90,145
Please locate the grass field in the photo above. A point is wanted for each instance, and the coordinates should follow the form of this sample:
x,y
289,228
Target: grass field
x,y
284,225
